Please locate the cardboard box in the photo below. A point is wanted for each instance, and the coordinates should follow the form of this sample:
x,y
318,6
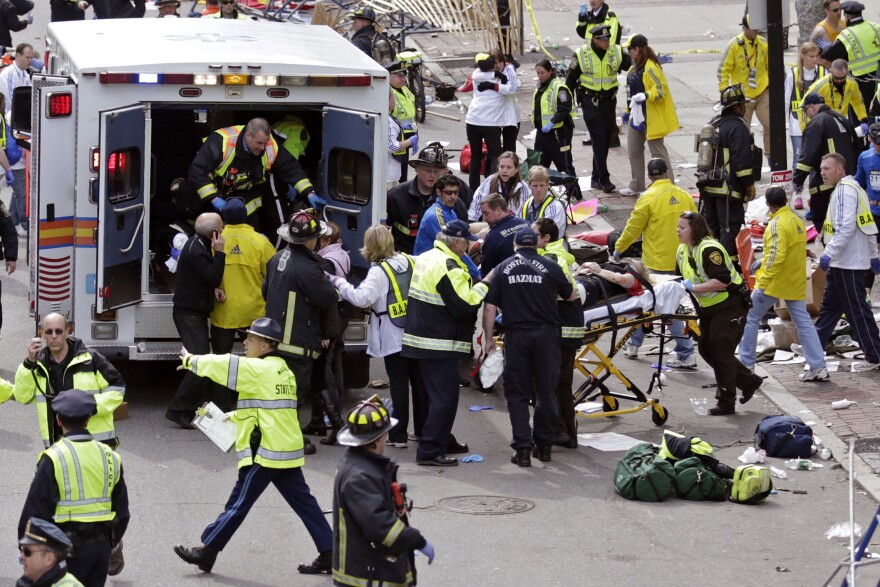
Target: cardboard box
x,y
121,412
815,290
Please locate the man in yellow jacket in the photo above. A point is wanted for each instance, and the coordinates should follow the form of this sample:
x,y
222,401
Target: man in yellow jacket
x,y
841,93
744,62
781,276
655,218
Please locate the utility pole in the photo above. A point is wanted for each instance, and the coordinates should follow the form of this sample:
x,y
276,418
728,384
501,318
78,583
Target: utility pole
x,y
778,155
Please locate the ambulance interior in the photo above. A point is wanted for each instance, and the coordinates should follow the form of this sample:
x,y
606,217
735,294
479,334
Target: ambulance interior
x,y
177,133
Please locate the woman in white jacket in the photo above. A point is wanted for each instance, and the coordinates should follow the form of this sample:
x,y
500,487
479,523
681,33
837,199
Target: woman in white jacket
x,y
510,130
506,182
489,110
377,292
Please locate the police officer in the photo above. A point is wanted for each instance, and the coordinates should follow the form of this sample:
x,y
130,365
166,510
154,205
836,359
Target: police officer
x,y
269,444
44,548
525,286
597,13
593,72
552,116
826,132
79,485
373,541
723,193
234,161
167,8
859,44
710,276
439,327
404,112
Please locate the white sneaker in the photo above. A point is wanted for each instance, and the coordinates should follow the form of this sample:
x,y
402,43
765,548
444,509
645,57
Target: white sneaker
x,y
676,363
397,444
631,351
798,350
864,366
20,230
820,374
627,192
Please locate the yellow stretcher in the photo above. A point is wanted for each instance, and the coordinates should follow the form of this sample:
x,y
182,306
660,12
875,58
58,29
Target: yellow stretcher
x,y
597,366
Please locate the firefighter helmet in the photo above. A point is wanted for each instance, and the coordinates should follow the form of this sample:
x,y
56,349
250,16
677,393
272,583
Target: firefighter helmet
x,y
366,423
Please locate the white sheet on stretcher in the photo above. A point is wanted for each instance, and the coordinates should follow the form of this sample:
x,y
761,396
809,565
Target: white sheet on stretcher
x,y
669,296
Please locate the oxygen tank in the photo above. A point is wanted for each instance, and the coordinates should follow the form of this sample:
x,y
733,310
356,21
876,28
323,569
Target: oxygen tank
x,y
705,147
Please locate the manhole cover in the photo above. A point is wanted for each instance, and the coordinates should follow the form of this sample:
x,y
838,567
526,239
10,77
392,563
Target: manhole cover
x,y
480,505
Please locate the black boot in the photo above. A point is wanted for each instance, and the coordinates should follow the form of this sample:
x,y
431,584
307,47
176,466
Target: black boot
x,y
334,412
316,426
542,452
308,447
522,457
201,556
322,564
723,409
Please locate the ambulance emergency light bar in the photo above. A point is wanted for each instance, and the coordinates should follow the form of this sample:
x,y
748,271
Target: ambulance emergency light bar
x,y
235,79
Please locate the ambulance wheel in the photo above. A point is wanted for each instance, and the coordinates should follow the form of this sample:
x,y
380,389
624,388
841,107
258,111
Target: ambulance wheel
x,y
609,403
659,414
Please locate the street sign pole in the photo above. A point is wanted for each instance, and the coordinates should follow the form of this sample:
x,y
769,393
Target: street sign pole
x,y
778,155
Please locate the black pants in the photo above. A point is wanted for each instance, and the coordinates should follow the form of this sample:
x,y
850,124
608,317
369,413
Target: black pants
x,y
722,328
222,341
193,390
90,562
601,121
508,138
327,374
867,88
564,396
724,216
475,136
819,201
845,294
65,12
441,380
302,368
403,375
530,354
869,275
555,147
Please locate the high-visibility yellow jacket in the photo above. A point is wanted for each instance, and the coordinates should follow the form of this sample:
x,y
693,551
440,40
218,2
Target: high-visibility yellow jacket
x,y
782,273
851,96
247,254
739,57
655,216
570,312
6,389
697,273
86,472
266,400
862,42
405,112
660,116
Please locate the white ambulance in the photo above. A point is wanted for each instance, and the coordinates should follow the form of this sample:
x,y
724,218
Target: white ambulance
x,y
120,112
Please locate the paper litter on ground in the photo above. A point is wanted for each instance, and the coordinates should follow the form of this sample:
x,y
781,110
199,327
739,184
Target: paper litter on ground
x,y
781,357
832,366
608,441
589,407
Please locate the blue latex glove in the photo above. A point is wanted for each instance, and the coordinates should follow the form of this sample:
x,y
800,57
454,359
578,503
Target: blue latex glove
x,y
583,13
470,459
10,177
615,257
498,320
428,551
875,266
755,266
864,129
688,284
317,201
29,18
415,144
218,203
624,118
664,58
37,64
825,263
547,128
407,126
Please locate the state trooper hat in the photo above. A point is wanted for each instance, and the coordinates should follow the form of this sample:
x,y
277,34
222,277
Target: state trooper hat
x,y
602,31
74,403
851,7
266,328
39,531
367,422
657,167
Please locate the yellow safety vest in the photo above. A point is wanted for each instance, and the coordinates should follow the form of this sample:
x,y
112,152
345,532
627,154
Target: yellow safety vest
x,y
697,274
397,297
86,472
405,112
548,103
68,580
797,96
524,211
864,219
293,131
862,42
599,74
565,260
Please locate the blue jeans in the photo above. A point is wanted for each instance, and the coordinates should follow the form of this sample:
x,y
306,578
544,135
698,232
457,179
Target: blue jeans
x,y
761,302
684,346
17,203
795,153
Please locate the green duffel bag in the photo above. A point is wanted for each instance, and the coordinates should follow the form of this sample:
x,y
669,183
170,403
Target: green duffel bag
x,y
643,476
695,482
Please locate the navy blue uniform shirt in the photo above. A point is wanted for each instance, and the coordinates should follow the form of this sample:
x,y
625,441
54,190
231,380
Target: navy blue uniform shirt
x,y
498,244
525,287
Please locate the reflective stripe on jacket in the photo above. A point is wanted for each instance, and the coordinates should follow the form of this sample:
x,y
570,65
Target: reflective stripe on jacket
x,y
693,269
862,42
229,137
739,58
570,312
660,116
86,472
599,74
841,103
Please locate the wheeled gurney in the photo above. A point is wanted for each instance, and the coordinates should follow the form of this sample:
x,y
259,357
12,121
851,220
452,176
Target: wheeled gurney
x,y
620,316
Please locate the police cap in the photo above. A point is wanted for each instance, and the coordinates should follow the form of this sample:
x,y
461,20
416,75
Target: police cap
x,y
812,99
657,167
460,229
602,31
526,238
266,328
852,7
74,403
159,3
396,67
38,531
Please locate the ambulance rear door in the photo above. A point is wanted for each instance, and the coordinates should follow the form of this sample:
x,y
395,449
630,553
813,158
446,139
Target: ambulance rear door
x,y
349,173
122,206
